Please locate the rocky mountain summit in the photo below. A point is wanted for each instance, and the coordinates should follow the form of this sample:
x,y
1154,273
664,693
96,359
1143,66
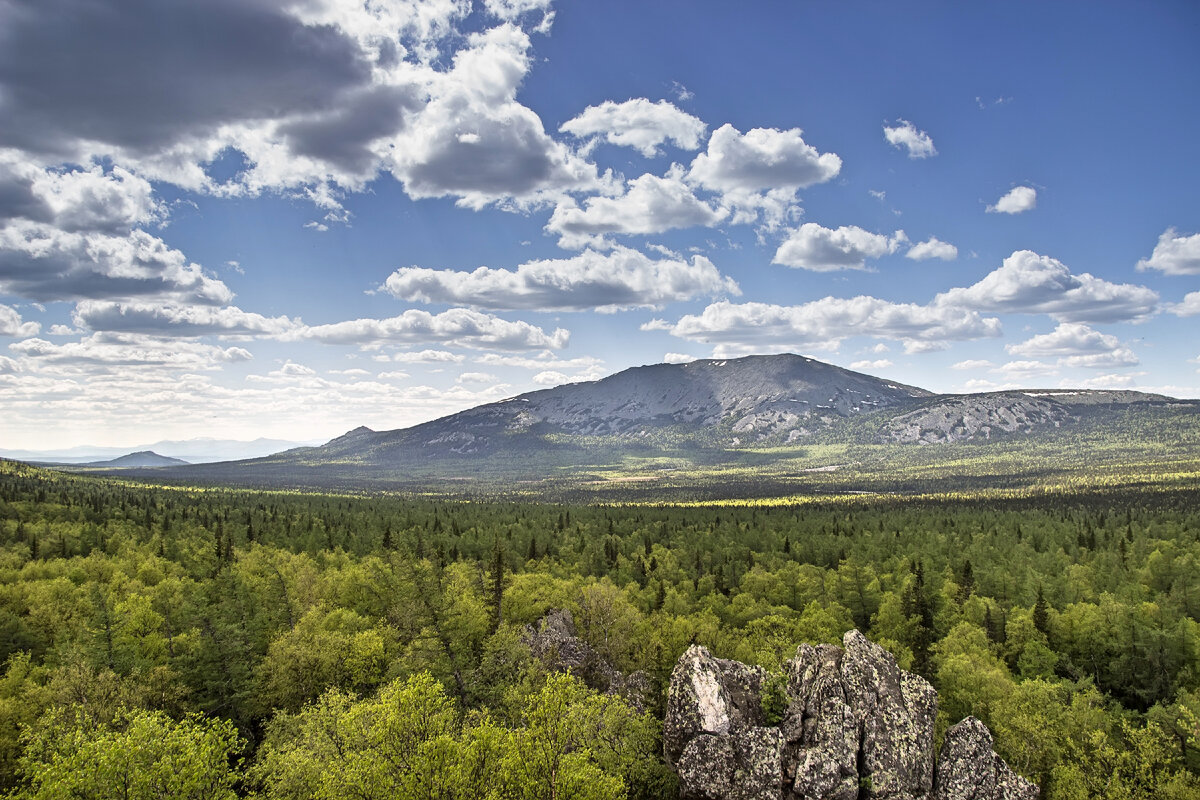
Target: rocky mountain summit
x,y
856,726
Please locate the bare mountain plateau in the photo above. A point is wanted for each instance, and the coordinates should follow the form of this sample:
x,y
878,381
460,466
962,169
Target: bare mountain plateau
x,y
752,426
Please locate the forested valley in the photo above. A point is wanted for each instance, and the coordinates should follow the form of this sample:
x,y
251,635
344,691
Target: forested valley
x,y
219,643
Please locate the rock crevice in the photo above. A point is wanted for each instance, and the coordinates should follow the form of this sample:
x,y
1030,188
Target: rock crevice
x,y
857,727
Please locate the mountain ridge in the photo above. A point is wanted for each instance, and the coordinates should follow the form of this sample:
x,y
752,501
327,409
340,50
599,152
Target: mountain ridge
x,y
780,422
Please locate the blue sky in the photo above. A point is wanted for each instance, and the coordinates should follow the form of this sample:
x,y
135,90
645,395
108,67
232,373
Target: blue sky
x,y
254,218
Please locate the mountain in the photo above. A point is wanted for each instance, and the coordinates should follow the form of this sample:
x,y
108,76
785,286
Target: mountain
x,y
143,458
752,425
779,398
193,451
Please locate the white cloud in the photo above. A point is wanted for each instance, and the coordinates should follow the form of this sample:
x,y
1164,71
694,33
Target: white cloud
x,y
650,204
973,363
550,378
427,357
116,351
476,377
544,360
639,124
1190,306
77,199
677,358
1174,254
1069,338
819,249
905,135
175,320
1112,381
1075,346
513,9
1016,370
824,323
761,159
474,141
1028,283
457,327
45,263
622,278
1022,198
881,363
760,170
11,324
932,248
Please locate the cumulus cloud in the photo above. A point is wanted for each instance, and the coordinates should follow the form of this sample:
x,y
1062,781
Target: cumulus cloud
x,y
91,199
622,278
761,170
761,159
932,248
825,323
905,135
457,327
546,359
175,320
1022,198
649,205
973,363
1111,381
639,124
476,377
550,378
1174,254
1077,345
513,9
1190,306
112,351
474,141
881,363
45,263
427,357
11,324
820,249
1028,283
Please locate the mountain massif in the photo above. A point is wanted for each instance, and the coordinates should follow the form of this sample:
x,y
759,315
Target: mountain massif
x,y
708,414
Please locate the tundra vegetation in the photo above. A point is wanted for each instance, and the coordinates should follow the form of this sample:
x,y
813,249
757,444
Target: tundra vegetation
x,y
218,643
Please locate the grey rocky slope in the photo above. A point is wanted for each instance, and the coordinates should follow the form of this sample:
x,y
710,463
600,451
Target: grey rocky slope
x,y
706,412
856,726
755,400
780,396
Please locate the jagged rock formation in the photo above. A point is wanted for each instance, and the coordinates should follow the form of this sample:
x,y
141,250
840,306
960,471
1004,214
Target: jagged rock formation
x,y
970,770
856,726
553,641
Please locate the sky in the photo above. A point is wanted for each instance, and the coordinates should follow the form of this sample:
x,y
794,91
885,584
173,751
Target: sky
x,y
289,218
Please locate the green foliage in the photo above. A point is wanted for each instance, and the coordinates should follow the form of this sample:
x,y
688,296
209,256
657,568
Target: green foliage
x,y
1074,634
141,755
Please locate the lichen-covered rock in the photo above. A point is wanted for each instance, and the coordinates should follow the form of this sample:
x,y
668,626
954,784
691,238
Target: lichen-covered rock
x,y
709,695
743,765
553,641
820,732
968,768
856,726
896,711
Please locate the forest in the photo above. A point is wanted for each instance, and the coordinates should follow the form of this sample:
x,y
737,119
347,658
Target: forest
x,y
172,641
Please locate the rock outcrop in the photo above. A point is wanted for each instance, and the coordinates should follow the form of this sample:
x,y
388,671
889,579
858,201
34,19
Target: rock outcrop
x,y
856,727
554,642
969,769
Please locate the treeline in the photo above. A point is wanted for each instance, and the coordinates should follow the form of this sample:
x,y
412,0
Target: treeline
x,y
221,643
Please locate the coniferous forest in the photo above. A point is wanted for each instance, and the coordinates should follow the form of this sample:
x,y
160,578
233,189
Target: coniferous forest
x,y
215,643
